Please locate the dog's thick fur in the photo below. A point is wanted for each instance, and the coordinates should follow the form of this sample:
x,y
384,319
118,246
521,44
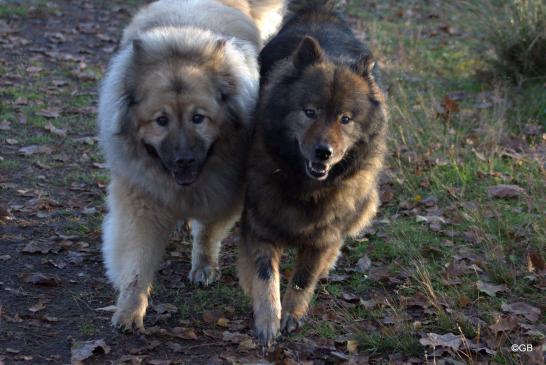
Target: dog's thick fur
x,y
175,119
314,163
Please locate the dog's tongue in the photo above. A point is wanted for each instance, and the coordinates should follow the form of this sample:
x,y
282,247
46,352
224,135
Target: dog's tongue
x,y
184,177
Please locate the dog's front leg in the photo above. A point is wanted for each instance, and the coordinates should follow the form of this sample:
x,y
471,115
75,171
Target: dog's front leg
x,y
136,231
259,276
310,264
207,239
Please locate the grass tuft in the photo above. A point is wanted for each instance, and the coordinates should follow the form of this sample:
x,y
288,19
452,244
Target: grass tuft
x,y
516,30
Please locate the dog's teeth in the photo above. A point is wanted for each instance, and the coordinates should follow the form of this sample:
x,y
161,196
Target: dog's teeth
x,y
317,167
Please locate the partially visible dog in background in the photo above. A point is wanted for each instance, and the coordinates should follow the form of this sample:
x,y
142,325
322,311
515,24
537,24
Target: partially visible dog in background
x,y
175,120
315,159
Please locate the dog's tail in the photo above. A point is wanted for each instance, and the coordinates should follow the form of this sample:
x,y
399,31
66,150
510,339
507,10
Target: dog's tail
x,y
268,15
296,6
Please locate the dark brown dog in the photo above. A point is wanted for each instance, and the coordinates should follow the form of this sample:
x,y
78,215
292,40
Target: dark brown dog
x,y
313,168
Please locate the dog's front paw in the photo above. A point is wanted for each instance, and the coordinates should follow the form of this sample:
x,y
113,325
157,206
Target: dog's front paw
x,y
130,312
266,330
127,321
204,275
290,322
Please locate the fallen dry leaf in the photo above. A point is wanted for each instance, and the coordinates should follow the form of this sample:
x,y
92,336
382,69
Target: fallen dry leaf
x,y
352,346
505,191
448,340
337,278
184,333
81,351
222,322
435,222
5,215
38,306
144,349
246,345
463,301
38,278
490,289
535,261
504,324
35,149
211,316
61,132
350,297
430,219
481,349
162,308
175,347
49,318
49,113
100,165
42,246
448,108
234,337
363,264
159,362
109,309
524,309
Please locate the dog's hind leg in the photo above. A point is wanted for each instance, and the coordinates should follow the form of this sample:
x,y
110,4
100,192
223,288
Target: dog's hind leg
x,y
207,240
310,264
259,276
136,232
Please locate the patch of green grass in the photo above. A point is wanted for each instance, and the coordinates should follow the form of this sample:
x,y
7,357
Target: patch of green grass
x,y
325,330
215,297
80,101
78,124
11,10
128,2
359,313
77,176
36,7
36,139
390,342
75,226
360,283
515,31
445,323
502,358
7,165
407,240
87,329
23,92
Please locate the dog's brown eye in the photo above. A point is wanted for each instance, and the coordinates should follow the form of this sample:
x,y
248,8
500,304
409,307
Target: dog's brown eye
x,y
198,118
345,119
162,120
310,113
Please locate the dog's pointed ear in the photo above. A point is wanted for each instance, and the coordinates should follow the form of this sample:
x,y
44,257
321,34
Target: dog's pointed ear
x,y
308,53
365,65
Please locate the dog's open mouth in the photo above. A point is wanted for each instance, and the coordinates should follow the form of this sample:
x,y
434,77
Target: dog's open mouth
x,y
184,177
317,170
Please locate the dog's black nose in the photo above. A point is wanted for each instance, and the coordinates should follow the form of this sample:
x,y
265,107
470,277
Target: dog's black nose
x,y
323,151
184,160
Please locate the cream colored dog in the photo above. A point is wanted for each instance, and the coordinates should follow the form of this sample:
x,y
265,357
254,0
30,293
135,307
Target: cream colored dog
x,y
174,120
